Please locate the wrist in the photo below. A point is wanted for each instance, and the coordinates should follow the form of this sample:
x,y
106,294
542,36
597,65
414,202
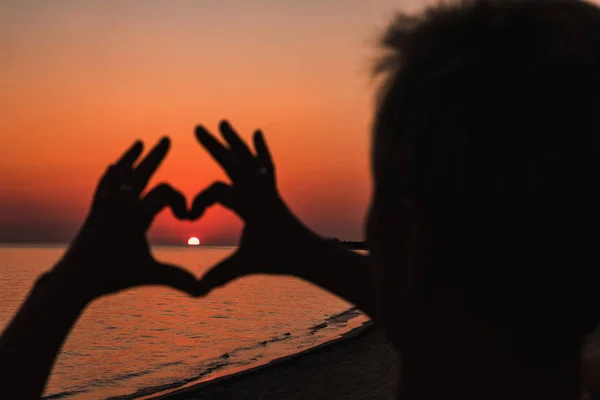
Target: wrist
x,y
290,238
305,248
65,287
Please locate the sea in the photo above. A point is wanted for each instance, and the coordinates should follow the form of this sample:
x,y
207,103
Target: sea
x,y
148,341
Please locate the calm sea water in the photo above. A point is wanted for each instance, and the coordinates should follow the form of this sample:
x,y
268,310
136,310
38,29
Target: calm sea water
x,y
149,339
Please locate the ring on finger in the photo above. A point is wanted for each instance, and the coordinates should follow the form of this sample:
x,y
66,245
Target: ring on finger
x,y
262,171
125,188
103,194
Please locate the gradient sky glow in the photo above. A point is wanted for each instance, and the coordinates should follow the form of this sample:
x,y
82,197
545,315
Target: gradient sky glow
x,y
81,80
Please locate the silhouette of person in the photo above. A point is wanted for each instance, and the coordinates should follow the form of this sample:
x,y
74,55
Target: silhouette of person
x,y
483,226
109,254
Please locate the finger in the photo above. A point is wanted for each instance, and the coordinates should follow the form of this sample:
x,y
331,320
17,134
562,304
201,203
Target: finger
x,y
226,271
219,152
129,157
172,276
264,155
237,144
218,192
110,181
107,177
144,171
160,197
120,168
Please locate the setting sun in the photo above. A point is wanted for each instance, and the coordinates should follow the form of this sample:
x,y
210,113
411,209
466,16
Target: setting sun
x,y
193,241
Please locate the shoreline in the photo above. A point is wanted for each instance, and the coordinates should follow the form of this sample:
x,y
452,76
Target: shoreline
x,y
362,365
189,389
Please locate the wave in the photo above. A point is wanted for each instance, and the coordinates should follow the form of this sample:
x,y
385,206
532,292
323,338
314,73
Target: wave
x,y
238,359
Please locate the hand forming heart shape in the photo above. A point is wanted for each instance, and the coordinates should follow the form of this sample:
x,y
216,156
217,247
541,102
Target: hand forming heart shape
x,y
111,252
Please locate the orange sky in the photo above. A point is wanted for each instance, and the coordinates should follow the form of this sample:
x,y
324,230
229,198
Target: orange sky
x,y
80,81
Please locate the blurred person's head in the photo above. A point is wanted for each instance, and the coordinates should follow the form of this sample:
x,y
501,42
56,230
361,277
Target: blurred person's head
x,y
486,153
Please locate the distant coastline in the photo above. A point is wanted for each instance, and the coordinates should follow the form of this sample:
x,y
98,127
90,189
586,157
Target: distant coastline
x,y
350,244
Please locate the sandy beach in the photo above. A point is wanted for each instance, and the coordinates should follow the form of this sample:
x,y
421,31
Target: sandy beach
x,y
360,366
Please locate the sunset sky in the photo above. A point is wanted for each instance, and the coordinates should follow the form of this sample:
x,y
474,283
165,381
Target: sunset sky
x,y
81,80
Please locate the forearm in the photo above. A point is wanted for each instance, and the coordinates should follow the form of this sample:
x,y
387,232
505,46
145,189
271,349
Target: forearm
x,y
337,269
30,344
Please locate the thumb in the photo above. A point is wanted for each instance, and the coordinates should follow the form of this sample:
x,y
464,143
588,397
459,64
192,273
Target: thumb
x,y
218,192
224,272
172,276
158,198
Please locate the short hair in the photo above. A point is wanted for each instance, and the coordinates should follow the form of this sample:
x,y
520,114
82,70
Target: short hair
x,y
495,106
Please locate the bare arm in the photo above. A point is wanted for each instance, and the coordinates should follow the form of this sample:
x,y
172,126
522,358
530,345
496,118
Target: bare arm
x,y
30,344
337,269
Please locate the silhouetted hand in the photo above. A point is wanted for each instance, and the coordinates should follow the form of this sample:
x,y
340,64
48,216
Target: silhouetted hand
x,y
111,252
272,236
